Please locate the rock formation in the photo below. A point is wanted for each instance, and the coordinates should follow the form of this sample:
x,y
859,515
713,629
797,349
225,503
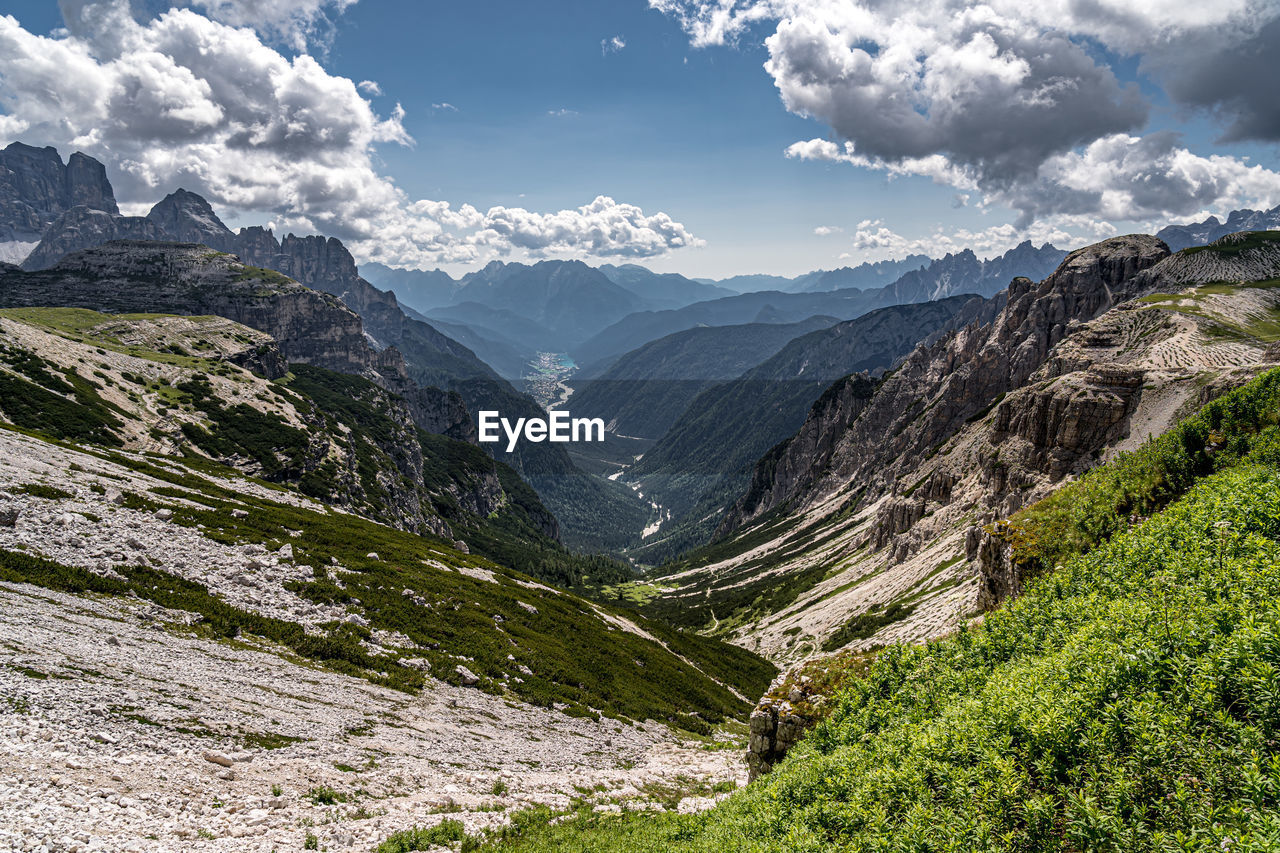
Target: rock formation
x,y
36,188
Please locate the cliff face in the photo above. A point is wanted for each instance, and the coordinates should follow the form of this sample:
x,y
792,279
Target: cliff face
x,y
36,188
868,526
185,278
956,378
81,227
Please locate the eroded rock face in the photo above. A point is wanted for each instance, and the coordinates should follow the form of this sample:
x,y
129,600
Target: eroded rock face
x,y
185,278
188,218
939,388
36,188
1068,418
85,226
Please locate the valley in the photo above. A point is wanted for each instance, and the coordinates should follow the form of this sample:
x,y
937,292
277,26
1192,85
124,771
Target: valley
x,y
547,383
265,582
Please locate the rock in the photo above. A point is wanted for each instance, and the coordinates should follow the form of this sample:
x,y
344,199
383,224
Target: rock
x,y
104,737
164,514
469,678
461,546
372,555
239,513
285,552
357,619
228,775
217,758
36,188
9,514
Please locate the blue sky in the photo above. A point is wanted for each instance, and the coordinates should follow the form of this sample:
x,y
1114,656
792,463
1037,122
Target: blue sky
x,y
529,111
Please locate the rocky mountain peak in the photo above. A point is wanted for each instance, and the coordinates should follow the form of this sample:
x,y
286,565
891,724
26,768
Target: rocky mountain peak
x,y
189,218
36,187
955,377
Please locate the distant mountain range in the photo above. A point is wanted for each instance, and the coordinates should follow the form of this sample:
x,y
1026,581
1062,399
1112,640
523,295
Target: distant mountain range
x,y
645,391
1180,237
950,275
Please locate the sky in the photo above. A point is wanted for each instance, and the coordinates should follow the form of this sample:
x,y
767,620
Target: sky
x,y
706,137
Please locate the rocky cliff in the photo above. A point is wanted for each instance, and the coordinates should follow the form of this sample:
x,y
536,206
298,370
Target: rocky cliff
x,y
868,526
955,378
186,278
36,187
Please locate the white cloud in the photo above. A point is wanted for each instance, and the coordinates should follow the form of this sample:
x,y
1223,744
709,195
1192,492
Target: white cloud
x,y
444,107
612,45
563,113
873,240
295,23
183,100
604,228
1011,99
369,87
827,230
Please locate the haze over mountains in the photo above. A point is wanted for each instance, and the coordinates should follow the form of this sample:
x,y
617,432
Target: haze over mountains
x,y
244,436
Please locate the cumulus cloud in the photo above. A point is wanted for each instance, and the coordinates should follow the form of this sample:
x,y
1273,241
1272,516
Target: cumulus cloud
x,y
873,240
612,45
185,100
369,87
295,23
1012,99
827,230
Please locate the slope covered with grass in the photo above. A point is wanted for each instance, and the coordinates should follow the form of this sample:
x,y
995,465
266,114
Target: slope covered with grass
x,y
1128,701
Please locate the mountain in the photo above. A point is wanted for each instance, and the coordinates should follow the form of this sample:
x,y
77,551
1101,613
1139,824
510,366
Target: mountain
x,y
206,386
568,299
36,188
963,272
187,278
661,290
918,734
417,352
307,520
866,276
509,359
421,290
871,524
645,391
639,328
704,460
188,218
1180,237
750,282
954,274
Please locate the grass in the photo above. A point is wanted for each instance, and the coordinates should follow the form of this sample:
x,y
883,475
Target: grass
x,y
1128,701
445,833
323,795
576,658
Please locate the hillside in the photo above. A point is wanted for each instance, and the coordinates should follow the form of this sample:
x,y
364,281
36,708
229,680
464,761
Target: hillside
x,y
864,525
647,389
422,355
703,462
1125,701
300,526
